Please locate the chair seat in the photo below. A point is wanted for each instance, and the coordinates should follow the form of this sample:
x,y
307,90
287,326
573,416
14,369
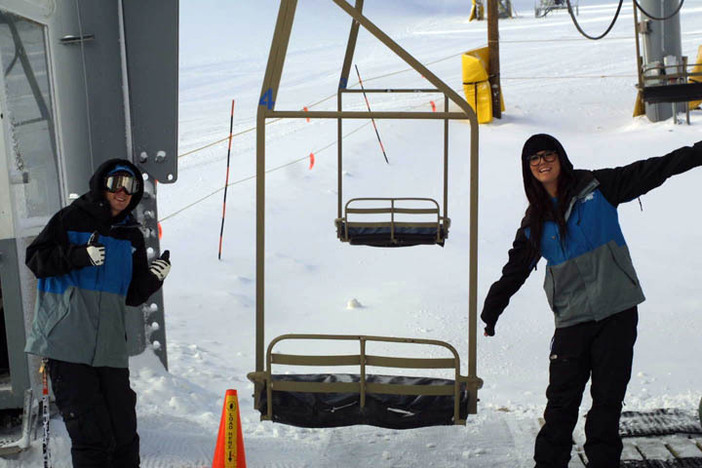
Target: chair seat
x,y
306,409
402,236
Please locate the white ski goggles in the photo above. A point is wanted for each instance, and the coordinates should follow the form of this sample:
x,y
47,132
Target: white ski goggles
x,y
122,180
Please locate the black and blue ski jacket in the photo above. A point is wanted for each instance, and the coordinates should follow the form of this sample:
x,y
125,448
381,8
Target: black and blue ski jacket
x,y
80,308
589,274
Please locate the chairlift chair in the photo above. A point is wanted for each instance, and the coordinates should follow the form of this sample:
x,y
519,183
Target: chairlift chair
x,y
391,222
544,7
328,399
393,231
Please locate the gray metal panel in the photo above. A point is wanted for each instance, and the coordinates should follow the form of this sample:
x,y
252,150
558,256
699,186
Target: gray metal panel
x,y
151,36
103,72
70,98
14,325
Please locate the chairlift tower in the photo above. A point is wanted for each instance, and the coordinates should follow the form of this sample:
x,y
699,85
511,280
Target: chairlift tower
x,y
662,69
662,52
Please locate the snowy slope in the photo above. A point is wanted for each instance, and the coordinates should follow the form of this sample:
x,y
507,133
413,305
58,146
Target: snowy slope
x,y
553,81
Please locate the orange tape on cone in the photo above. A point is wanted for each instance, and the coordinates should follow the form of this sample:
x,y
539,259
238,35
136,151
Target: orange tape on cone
x,y
311,160
433,106
229,451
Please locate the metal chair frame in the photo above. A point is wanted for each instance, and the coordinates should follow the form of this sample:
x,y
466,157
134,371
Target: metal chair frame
x,y
262,376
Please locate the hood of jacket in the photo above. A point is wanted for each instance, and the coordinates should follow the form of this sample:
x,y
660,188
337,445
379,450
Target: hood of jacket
x,y
540,142
94,201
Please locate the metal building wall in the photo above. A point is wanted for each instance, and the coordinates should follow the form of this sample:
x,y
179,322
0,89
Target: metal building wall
x,y
110,90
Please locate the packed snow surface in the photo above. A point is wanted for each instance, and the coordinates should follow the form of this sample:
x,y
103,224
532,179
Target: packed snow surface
x,y
553,81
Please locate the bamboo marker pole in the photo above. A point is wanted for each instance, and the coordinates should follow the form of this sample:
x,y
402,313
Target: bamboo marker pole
x,y
226,181
382,148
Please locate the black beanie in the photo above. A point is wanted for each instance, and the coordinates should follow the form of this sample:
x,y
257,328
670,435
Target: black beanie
x,y
540,142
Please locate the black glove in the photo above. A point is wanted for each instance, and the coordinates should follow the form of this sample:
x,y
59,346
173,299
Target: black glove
x,y
161,266
95,250
489,330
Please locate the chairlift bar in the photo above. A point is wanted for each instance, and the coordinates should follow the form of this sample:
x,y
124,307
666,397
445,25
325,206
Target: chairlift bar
x,y
300,360
682,92
446,156
409,59
382,339
392,220
355,360
361,388
363,372
670,76
350,48
364,115
390,210
269,93
390,90
343,84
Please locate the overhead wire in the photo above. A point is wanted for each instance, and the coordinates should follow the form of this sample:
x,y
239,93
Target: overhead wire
x,y
397,72
665,18
616,15
268,171
581,31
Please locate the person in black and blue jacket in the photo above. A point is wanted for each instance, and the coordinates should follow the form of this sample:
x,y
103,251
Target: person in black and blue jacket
x,y
90,261
591,286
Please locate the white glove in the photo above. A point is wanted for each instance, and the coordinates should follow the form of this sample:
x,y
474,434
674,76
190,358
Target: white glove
x,y
96,251
161,266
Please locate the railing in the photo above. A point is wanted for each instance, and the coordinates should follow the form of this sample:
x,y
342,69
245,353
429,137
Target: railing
x,y
439,226
363,360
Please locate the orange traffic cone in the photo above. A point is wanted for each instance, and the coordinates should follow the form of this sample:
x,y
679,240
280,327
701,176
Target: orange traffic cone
x,y
229,451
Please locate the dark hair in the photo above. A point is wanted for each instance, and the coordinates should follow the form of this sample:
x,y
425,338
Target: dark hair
x,y
541,208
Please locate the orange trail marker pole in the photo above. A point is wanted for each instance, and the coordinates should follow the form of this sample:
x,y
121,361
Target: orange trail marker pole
x,y
306,110
229,451
311,160
360,82
226,181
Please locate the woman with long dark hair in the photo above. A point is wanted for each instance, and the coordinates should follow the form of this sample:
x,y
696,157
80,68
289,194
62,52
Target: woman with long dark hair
x,y
591,286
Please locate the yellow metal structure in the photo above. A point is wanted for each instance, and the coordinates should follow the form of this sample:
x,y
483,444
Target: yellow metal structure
x,y
476,71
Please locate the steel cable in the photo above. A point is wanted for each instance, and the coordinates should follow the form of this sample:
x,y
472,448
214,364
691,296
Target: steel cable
x,y
593,38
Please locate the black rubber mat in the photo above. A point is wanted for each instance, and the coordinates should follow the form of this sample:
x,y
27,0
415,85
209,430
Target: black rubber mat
x,y
659,422
680,463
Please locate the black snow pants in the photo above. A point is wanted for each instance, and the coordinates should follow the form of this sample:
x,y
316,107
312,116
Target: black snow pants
x,y
99,409
604,352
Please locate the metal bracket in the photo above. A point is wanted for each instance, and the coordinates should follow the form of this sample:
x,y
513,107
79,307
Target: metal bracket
x,y
70,39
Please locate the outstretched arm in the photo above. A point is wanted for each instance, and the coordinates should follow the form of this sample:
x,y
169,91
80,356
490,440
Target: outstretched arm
x,y
522,260
623,184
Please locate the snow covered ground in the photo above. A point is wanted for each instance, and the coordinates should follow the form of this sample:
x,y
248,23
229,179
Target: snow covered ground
x,y
553,81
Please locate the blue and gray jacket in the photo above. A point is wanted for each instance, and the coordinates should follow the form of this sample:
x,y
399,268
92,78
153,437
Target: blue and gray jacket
x,y
80,308
589,274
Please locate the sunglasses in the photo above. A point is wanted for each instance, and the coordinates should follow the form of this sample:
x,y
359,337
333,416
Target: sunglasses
x,y
116,182
548,156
